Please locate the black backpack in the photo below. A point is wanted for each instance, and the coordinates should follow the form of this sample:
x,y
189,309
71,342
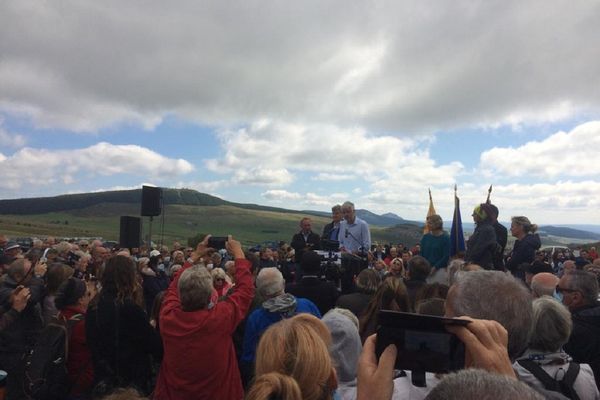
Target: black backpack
x,y
45,364
564,386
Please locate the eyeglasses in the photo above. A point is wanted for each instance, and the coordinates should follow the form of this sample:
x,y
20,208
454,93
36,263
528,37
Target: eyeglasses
x,y
565,290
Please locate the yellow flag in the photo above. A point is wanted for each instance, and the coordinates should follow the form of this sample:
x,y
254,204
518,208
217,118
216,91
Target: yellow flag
x,y
430,212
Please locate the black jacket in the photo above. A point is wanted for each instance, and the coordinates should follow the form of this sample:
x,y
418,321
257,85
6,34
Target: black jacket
x,y
25,328
523,251
121,342
501,239
322,293
482,245
356,302
584,342
299,244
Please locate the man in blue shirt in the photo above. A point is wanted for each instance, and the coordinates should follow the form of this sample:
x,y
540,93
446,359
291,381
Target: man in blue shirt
x,y
354,236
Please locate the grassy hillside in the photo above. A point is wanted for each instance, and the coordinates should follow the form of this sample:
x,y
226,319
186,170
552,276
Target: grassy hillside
x,y
250,225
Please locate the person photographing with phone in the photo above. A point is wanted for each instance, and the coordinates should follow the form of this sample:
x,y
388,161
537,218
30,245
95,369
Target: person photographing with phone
x,y
192,325
24,281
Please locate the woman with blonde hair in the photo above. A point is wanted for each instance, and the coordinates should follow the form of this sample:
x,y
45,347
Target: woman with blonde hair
x,y
525,246
293,361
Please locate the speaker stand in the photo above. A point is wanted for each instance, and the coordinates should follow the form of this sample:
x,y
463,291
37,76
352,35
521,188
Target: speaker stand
x,y
150,233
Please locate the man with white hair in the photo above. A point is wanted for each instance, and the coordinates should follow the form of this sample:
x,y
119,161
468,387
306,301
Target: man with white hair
x,y
354,236
276,306
191,325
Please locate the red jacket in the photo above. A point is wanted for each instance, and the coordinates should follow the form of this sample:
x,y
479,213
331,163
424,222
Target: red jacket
x,y
79,363
199,358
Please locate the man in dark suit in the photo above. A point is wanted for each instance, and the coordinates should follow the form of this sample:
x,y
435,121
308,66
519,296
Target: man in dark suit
x,y
311,287
305,239
332,230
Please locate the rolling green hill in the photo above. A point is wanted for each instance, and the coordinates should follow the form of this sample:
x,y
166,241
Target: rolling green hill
x,y
186,213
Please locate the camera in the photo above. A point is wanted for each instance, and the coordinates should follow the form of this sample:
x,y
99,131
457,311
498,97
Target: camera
x,y
423,343
72,258
217,242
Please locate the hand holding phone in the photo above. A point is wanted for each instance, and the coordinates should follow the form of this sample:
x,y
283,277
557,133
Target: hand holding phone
x,y
375,380
424,344
486,345
217,242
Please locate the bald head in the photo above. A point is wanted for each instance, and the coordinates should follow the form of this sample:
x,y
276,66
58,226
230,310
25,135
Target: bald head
x,y
543,284
569,266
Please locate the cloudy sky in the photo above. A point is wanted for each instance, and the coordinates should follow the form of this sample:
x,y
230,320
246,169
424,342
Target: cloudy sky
x,y
305,104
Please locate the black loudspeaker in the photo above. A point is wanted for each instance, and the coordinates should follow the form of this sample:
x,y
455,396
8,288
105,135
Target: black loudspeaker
x,y
151,201
130,232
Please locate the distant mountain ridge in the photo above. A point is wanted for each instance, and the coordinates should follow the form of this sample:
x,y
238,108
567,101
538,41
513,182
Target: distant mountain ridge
x,y
563,231
42,205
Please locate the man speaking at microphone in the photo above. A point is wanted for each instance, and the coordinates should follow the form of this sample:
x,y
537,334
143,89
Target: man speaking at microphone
x,y
354,236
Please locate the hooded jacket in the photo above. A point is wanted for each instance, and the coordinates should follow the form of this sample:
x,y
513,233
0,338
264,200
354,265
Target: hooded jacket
x,y
345,351
523,251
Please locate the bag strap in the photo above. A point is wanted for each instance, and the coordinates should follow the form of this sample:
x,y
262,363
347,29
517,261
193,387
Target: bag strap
x,y
541,375
564,386
568,382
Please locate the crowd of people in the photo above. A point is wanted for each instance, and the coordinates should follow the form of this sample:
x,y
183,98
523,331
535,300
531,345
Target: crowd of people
x,y
276,323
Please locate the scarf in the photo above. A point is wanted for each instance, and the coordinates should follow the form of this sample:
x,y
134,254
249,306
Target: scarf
x,y
284,304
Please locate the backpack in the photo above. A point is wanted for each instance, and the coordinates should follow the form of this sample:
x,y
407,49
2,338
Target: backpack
x,y
564,386
45,374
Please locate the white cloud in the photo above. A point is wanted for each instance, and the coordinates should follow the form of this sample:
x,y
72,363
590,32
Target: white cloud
x,y
205,187
571,153
262,176
30,166
324,176
279,145
281,195
304,199
395,66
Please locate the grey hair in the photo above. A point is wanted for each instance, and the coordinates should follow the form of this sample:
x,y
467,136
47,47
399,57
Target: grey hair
x,y
63,247
195,287
584,282
552,324
336,208
220,273
348,204
476,384
270,282
496,296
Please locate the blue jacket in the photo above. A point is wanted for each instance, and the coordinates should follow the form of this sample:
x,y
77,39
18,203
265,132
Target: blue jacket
x,y
260,319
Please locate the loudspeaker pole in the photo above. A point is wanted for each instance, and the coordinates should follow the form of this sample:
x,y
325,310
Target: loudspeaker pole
x,y
150,233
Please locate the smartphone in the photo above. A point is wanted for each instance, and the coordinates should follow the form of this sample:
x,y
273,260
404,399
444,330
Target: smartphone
x,y
423,343
217,242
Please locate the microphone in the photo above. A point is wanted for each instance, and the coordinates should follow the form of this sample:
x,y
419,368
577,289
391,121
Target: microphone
x,y
346,234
